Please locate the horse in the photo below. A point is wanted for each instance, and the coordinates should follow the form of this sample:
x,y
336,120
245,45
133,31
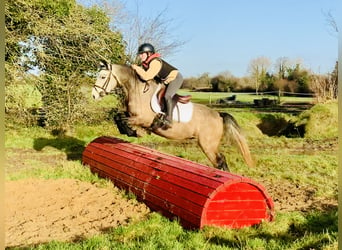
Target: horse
x,y
191,120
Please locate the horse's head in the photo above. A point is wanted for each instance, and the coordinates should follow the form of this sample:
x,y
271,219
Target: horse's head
x,y
137,93
105,82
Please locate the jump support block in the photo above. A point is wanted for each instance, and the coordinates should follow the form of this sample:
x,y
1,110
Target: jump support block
x,y
196,194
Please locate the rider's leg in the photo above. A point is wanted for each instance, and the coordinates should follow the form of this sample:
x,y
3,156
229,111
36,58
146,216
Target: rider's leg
x,y
171,90
169,106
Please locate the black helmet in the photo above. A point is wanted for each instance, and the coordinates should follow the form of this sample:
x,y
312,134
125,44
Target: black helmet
x,y
146,47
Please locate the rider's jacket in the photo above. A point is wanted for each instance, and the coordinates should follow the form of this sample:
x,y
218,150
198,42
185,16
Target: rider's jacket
x,y
165,71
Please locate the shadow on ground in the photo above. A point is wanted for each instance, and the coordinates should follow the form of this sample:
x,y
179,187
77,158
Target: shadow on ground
x,y
72,147
272,125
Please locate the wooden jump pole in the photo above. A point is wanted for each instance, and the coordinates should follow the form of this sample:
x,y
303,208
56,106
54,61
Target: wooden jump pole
x,y
196,194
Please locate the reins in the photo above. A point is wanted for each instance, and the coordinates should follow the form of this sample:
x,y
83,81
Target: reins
x,y
132,88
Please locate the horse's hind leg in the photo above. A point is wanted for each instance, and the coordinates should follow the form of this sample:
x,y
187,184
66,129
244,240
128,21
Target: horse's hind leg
x,y
210,148
221,162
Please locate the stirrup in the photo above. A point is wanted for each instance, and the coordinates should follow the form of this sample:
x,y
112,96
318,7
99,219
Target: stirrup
x,y
160,121
166,123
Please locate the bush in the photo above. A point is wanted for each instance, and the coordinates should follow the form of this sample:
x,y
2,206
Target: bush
x,y
21,100
321,121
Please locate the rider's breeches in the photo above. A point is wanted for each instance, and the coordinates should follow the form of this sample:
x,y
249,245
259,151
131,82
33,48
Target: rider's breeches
x,y
171,90
172,87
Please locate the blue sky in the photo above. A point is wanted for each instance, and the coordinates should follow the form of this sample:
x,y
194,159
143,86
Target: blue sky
x,y
225,35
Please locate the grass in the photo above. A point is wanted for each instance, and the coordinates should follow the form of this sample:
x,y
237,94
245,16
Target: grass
x,y
212,97
327,115
295,161
289,231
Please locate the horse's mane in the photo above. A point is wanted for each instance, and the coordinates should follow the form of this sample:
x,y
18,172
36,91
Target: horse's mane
x,y
129,78
126,69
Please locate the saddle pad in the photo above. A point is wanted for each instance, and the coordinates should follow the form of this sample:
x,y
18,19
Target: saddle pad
x,y
181,112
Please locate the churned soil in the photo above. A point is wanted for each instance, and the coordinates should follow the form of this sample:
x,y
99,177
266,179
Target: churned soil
x,y
39,211
288,197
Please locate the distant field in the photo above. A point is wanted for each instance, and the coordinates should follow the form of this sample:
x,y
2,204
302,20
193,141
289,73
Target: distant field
x,y
212,97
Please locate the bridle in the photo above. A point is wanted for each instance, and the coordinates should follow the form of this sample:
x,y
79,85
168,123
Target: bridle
x,y
101,89
106,83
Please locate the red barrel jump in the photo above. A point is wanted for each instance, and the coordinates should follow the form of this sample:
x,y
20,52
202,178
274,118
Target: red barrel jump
x,y
196,194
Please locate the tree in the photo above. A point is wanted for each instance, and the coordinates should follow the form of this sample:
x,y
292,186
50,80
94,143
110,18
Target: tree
x,y
281,65
258,68
300,77
325,87
334,81
218,84
203,81
63,41
156,30
331,22
224,82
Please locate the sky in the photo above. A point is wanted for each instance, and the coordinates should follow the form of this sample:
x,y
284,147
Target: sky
x,y
225,35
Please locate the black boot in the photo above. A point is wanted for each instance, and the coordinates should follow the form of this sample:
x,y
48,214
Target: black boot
x,y
168,118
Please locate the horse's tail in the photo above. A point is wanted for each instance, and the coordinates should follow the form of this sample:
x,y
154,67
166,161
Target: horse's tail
x,y
232,129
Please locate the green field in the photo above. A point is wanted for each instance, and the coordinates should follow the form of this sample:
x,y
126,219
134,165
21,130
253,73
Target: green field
x,y
299,173
212,97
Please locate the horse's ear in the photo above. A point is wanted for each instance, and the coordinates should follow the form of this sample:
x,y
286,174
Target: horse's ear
x,y
103,64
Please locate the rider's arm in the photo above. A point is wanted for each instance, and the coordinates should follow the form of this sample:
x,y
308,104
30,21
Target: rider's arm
x,y
152,71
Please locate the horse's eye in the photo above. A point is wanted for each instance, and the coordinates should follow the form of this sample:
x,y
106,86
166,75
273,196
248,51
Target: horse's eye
x,y
103,77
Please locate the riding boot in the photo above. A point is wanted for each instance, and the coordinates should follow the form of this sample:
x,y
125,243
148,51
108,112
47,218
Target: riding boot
x,y
169,106
168,118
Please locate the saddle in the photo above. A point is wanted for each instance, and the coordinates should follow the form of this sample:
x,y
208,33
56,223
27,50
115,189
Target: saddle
x,y
182,107
184,99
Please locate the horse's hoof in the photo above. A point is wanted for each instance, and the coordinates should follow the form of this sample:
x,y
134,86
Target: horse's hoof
x,y
132,133
223,166
226,169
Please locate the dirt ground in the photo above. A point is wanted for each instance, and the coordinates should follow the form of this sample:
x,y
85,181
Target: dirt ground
x,y
39,211
64,209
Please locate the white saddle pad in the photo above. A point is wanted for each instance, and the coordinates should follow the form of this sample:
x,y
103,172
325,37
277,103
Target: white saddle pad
x,y
181,112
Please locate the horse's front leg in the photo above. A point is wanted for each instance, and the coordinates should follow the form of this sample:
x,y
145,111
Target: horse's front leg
x,y
134,120
121,121
140,121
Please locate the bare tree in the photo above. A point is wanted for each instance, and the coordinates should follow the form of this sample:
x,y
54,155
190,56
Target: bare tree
x,y
156,30
257,69
137,29
331,22
325,87
281,65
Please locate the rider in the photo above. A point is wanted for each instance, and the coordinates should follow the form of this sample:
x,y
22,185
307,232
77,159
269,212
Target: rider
x,y
153,67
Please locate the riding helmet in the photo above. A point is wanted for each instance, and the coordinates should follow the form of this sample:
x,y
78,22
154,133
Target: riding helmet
x,y
146,47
